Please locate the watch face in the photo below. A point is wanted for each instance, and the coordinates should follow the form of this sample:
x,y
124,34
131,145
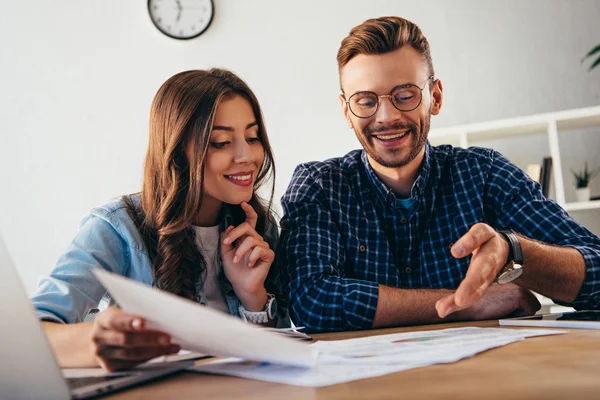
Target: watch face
x,y
509,275
181,19
272,310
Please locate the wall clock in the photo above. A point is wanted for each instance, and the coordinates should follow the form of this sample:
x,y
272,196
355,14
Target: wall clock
x,y
181,19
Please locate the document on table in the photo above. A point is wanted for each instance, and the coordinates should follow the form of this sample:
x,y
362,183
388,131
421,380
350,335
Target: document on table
x,y
347,360
281,359
202,329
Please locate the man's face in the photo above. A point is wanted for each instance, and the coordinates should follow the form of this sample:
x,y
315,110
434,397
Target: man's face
x,y
392,138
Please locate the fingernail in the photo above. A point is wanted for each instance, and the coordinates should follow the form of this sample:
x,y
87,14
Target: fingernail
x,y
459,250
136,324
249,264
163,340
226,241
235,259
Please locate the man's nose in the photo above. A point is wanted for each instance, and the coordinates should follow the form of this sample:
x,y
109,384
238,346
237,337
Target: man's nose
x,y
387,111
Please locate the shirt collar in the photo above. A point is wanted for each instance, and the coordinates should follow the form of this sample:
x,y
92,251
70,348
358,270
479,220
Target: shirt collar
x,y
386,194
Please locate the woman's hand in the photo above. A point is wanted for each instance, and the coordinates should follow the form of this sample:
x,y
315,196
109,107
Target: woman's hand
x,y
247,259
121,341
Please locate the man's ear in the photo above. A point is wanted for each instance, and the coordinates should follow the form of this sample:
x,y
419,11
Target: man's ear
x,y
436,97
345,110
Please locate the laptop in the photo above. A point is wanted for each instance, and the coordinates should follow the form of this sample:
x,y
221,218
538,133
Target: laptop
x,y
28,369
573,319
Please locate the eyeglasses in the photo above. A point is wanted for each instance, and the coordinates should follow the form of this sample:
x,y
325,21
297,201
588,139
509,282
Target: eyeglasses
x,y
404,98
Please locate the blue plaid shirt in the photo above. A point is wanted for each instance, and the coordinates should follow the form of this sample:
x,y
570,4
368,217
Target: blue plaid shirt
x,y
344,232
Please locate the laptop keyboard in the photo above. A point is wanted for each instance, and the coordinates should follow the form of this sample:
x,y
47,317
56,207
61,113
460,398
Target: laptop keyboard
x,y
76,383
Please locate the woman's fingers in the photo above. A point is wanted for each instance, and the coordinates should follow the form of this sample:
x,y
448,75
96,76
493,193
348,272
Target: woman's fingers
x,y
248,245
120,340
136,354
115,319
251,215
261,253
226,245
242,229
131,339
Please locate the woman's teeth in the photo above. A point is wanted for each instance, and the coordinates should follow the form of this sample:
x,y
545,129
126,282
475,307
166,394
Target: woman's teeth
x,y
239,178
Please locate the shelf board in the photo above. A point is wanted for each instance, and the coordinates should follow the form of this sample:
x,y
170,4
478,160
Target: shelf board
x,y
592,121
582,205
527,125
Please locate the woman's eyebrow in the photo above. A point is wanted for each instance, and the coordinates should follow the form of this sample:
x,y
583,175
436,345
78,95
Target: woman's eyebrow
x,y
230,129
222,128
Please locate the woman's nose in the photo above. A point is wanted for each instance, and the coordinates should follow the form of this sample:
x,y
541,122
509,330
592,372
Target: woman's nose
x,y
243,153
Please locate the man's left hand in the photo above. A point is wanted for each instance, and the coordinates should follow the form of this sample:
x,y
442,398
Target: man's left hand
x,y
490,252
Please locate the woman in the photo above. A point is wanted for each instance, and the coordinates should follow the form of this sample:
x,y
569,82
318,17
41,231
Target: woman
x,y
197,229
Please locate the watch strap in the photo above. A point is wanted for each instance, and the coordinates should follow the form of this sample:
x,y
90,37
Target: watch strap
x,y
514,261
259,317
515,252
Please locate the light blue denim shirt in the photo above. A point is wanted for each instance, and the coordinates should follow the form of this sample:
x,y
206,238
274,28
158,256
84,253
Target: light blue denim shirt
x,y
108,238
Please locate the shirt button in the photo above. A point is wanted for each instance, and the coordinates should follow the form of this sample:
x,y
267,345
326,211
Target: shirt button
x,y
362,248
403,220
408,270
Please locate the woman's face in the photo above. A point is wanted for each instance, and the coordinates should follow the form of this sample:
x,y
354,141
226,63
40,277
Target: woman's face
x,y
235,154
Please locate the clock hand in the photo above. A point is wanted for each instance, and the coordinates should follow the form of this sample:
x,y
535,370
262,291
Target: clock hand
x,y
179,7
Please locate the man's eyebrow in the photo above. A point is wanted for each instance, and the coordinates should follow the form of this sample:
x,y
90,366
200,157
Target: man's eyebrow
x,y
230,129
400,86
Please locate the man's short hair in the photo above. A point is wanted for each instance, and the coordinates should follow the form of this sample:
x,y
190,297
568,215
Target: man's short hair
x,y
383,35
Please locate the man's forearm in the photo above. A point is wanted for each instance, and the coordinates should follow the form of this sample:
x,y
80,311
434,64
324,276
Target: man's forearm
x,y
408,306
553,271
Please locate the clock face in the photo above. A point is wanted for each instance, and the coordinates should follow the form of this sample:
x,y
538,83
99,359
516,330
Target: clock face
x,y
181,19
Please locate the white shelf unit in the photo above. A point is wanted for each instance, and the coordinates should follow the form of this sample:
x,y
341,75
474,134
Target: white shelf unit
x,y
551,123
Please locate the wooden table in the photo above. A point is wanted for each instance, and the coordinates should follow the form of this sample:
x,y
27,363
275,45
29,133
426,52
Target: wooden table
x,y
547,367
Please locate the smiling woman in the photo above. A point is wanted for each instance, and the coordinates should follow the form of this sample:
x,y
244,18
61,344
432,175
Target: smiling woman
x,y
197,229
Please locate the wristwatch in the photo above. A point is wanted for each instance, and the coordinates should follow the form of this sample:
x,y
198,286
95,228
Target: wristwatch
x,y
261,317
514,264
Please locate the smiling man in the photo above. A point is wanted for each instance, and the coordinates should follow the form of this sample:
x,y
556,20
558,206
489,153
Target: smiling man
x,y
403,232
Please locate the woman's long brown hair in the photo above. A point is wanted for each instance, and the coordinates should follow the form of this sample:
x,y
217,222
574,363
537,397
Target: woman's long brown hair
x,y
182,116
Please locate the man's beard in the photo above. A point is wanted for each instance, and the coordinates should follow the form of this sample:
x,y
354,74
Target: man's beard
x,y
419,137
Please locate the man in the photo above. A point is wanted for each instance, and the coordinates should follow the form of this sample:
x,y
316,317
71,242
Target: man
x,y
406,233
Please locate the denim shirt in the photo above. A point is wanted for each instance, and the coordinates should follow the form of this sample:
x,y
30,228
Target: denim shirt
x,y
108,238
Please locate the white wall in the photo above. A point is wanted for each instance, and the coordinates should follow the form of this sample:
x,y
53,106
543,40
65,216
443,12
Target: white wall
x,y
77,79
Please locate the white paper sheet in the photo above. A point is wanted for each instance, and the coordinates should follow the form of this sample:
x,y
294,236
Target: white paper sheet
x,y
347,360
201,329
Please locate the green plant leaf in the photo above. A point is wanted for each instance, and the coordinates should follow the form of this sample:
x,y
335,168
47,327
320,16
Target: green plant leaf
x,y
592,52
595,64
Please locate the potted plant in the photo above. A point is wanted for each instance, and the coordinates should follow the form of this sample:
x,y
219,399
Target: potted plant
x,y
582,182
594,51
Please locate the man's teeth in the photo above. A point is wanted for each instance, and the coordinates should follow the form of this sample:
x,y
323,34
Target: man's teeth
x,y
392,137
240,177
